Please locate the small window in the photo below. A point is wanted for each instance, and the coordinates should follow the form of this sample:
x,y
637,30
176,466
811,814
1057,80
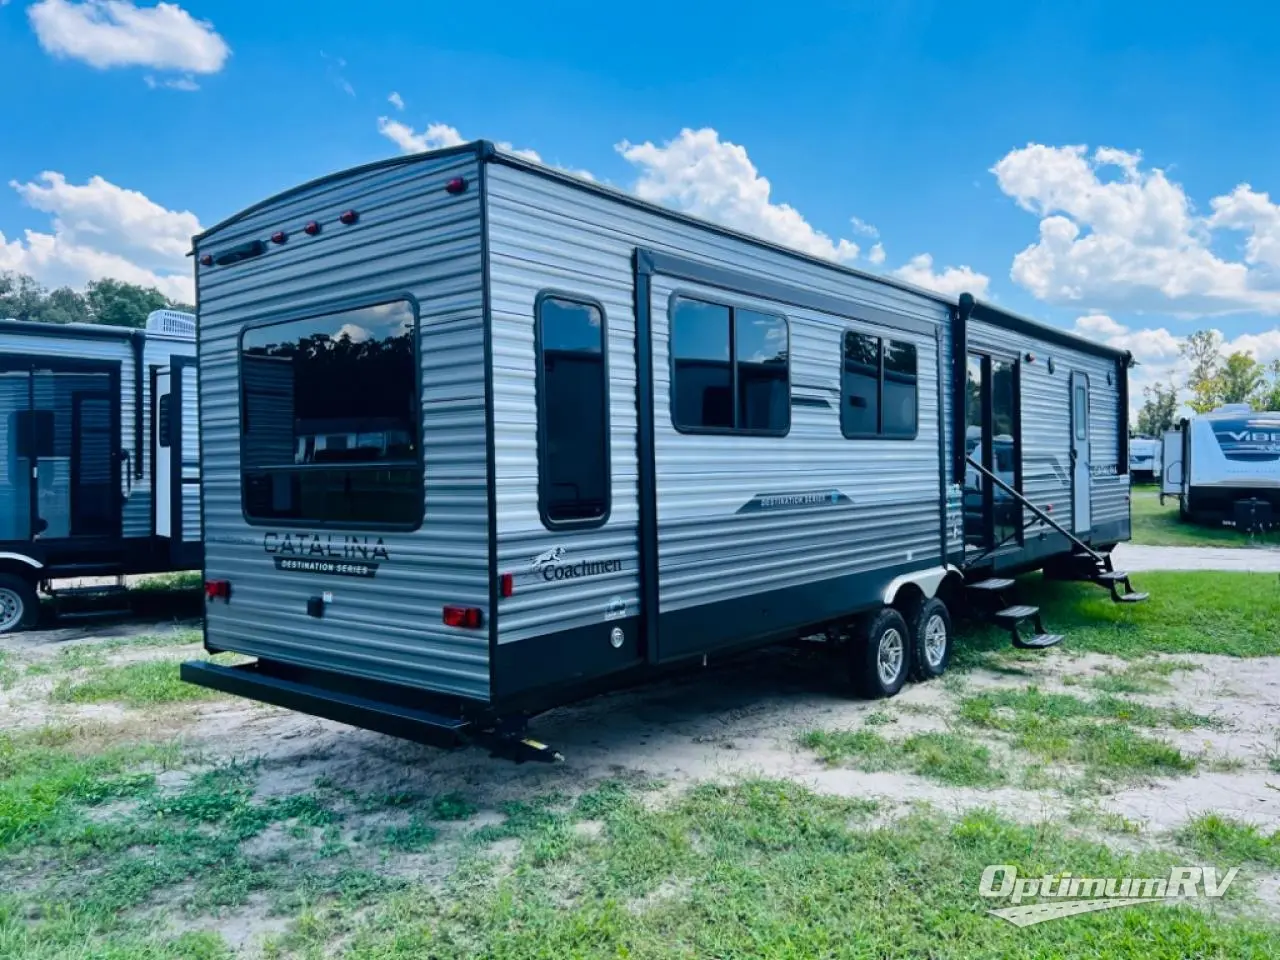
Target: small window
x,y
729,369
1081,414
879,388
330,422
162,426
573,412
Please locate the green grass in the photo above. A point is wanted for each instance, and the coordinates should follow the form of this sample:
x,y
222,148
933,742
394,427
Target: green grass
x,y
146,683
1143,676
1157,526
1234,614
1229,841
1098,735
769,870
186,580
945,757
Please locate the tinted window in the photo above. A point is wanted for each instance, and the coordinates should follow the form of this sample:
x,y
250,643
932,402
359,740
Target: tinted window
x,y
899,389
330,431
1081,415
860,409
573,412
729,369
163,425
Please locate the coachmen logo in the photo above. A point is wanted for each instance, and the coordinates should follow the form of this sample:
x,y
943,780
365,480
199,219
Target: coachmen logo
x,y
551,566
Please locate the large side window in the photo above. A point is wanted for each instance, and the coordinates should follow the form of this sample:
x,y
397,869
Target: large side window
x,y
879,388
573,412
330,423
729,369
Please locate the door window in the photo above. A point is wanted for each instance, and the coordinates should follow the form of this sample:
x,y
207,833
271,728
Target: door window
x,y
1080,416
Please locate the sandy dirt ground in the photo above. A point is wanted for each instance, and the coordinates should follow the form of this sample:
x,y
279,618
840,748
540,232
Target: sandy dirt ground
x,y
740,718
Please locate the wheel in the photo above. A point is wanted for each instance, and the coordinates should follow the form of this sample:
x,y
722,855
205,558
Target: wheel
x,y
19,605
930,640
879,656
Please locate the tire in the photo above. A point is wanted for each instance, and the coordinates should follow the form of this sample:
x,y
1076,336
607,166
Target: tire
x,y
931,640
874,669
19,605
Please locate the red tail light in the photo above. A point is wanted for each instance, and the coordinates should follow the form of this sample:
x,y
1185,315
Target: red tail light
x,y
311,229
279,237
218,590
348,217
456,185
469,617
508,583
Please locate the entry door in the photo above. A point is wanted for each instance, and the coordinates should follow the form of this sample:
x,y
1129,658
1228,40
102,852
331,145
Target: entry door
x,y
992,514
162,418
61,440
1081,455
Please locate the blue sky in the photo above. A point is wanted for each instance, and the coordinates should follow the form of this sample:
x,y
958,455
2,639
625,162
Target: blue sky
x,y
964,135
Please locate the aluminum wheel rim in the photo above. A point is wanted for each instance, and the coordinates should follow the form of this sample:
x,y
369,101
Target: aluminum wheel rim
x,y
935,641
889,657
10,609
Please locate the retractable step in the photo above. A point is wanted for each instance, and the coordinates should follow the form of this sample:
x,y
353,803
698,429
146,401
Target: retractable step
x,y
1117,581
1039,642
992,584
1013,618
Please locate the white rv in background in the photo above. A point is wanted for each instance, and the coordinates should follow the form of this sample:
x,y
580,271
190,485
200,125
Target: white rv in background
x,y
1145,458
99,454
1224,466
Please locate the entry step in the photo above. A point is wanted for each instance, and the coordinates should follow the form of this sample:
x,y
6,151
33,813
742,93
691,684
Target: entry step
x,y
992,584
1038,642
1130,597
1017,612
1111,576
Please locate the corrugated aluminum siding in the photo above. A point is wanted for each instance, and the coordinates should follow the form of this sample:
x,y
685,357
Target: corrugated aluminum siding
x,y
414,238
546,234
1046,423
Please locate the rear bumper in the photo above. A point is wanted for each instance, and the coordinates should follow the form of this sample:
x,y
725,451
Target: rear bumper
x,y
359,706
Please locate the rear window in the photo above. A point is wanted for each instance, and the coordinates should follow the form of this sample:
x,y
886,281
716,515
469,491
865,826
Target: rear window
x,y
330,424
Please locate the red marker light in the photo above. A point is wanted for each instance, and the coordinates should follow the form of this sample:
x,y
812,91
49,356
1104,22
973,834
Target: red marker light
x,y
508,583
348,217
279,237
207,260
456,185
469,617
311,229
218,590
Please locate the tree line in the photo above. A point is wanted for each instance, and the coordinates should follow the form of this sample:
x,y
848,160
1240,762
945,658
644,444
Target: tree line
x,y
103,301
1215,379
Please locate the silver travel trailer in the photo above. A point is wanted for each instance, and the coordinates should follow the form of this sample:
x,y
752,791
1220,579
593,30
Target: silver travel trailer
x,y
482,436
1146,458
1224,467
100,458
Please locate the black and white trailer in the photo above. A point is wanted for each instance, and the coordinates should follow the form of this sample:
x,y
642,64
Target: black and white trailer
x,y
99,460
481,437
1224,467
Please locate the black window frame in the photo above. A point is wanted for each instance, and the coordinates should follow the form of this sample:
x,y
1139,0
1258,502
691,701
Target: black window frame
x,y
540,395
733,308
883,341
322,310
164,425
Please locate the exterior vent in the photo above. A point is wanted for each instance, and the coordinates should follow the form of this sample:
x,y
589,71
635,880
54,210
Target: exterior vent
x,y
172,323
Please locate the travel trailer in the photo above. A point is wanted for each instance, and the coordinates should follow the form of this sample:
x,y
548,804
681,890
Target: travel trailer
x,y
1145,459
489,437
1224,467
101,468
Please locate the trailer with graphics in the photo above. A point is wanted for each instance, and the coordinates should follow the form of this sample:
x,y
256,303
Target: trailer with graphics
x,y
1224,467
485,437
100,462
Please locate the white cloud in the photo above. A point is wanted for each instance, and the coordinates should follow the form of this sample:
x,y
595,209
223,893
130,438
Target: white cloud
x,y
861,226
951,282
102,230
876,255
1126,238
116,33
396,100
699,173
186,84
435,137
